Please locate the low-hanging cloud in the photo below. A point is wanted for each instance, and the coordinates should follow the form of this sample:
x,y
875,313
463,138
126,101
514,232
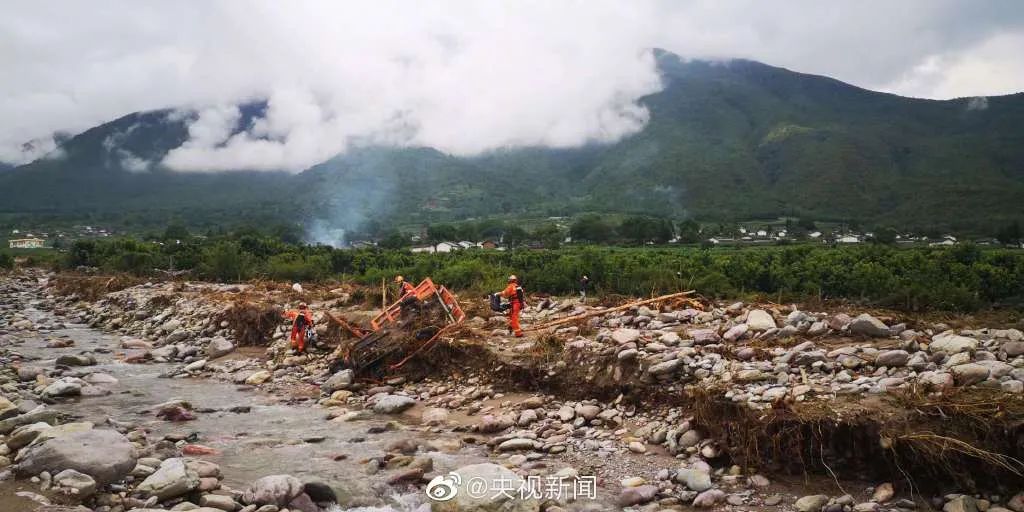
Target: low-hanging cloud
x,y
463,77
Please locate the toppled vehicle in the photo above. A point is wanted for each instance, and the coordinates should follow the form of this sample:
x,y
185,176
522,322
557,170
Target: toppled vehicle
x,y
408,327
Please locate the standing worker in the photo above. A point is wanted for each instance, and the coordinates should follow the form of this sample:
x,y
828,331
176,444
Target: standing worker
x,y
403,287
514,293
302,320
584,283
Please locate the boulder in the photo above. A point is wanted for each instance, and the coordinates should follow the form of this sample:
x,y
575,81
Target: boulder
x,y
708,498
839,321
68,386
951,343
623,336
259,377
466,501
760,320
892,358
340,380
105,455
392,404
74,483
735,332
638,495
37,415
1013,348
969,373
172,479
219,346
695,479
811,503
963,503
665,367
868,325
276,490
704,336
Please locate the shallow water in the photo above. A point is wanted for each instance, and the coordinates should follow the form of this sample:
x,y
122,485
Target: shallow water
x,y
267,440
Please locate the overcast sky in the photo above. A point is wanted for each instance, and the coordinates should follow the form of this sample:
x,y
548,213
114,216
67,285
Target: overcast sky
x,y
460,76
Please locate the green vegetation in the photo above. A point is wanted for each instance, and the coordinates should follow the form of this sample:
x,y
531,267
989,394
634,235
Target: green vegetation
x,y
6,261
960,278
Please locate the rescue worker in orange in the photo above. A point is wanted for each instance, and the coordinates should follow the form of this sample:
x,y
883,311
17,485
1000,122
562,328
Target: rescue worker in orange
x,y
302,319
403,287
517,299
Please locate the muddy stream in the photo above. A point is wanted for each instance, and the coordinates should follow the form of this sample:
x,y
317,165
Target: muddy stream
x,y
271,438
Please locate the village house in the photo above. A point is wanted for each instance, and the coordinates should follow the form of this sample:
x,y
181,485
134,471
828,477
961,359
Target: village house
x,y
26,243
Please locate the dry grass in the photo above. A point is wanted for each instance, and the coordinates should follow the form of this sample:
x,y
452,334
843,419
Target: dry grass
x,y
253,323
90,287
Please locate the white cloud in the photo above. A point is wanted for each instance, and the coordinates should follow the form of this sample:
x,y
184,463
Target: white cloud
x,y
462,76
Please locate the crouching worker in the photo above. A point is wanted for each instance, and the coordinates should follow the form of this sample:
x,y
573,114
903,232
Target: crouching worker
x,y
517,298
302,326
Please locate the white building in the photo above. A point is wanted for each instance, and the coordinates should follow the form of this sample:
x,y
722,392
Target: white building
x,y
848,239
26,243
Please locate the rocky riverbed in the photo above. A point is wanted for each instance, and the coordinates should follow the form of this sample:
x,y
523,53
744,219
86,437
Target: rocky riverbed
x,y
647,408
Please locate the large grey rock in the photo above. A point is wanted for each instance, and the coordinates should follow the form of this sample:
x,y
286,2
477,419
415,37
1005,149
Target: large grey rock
x,y
37,415
638,495
219,346
491,475
811,503
392,404
340,380
171,480
969,373
869,326
951,343
276,490
68,386
74,483
963,503
623,336
704,336
105,455
695,479
760,320
892,358
735,332
665,367
839,321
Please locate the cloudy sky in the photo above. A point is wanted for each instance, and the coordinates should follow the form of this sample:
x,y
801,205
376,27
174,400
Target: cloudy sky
x,y
462,76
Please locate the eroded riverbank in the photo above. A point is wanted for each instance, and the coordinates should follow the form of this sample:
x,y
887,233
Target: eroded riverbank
x,y
712,405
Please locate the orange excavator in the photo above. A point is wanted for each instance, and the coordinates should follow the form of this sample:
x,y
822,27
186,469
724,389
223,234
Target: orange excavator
x,y
405,328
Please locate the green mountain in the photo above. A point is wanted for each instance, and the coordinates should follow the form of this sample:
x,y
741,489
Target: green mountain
x,y
726,140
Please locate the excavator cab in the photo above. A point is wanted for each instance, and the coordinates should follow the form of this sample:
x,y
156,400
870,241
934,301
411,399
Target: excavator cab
x,y
405,328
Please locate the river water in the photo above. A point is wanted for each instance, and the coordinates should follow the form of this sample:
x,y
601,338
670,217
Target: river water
x,y
272,438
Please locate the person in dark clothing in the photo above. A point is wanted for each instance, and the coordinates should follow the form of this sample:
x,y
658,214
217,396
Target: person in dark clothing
x,y
584,284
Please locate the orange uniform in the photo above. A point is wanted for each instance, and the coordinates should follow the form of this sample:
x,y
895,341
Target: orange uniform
x,y
301,318
513,293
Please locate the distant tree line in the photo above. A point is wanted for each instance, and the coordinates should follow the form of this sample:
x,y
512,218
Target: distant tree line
x,y
962,278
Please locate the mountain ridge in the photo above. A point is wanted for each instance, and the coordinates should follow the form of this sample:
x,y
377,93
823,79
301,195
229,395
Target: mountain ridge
x,y
725,141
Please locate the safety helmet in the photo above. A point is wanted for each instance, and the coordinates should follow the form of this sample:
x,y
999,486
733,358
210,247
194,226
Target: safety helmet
x,y
399,279
302,305
512,278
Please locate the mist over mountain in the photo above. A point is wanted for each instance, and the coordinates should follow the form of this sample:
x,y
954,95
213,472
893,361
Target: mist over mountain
x,y
722,141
